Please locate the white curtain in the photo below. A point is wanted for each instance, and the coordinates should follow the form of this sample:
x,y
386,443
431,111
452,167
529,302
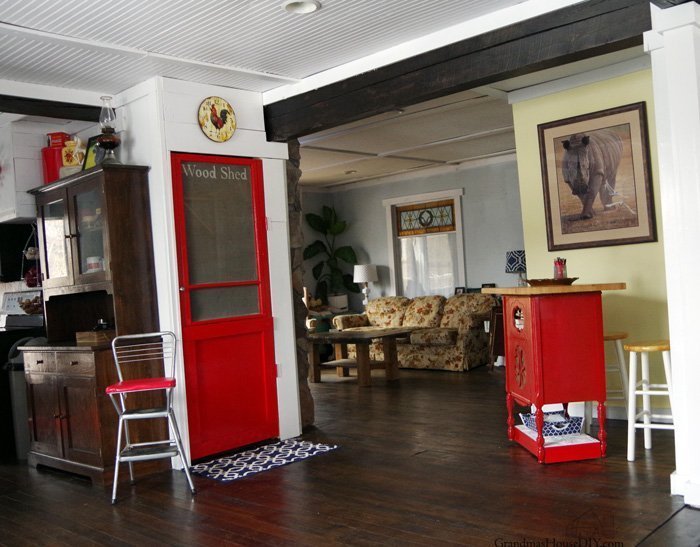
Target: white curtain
x,y
428,264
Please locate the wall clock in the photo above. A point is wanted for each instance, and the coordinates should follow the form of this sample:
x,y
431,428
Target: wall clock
x,y
216,119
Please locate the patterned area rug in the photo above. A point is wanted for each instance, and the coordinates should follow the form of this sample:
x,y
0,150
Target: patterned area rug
x,y
262,458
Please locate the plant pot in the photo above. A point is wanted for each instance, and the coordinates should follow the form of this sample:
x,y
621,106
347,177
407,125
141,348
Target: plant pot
x,y
338,301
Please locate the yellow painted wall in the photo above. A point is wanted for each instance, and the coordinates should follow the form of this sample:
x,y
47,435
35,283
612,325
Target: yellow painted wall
x,y
641,309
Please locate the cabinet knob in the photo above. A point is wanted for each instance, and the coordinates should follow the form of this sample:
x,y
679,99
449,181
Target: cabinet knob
x,y
39,361
73,363
182,289
56,416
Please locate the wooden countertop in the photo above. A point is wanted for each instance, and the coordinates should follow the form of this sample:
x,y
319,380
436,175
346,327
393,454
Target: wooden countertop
x,y
554,289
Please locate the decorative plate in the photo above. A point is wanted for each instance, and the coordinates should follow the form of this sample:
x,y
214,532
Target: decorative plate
x,y
546,282
217,119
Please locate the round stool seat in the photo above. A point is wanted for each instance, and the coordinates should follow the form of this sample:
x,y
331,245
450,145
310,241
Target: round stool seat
x,y
612,336
649,345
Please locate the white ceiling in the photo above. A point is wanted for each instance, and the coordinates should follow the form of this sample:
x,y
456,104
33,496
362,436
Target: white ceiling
x,y
256,45
248,44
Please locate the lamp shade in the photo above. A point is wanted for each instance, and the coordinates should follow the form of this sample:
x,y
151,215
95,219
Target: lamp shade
x,y
515,262
364,273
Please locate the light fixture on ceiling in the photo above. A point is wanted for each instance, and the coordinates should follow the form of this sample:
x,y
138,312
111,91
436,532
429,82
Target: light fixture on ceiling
x,y
350,171
301,6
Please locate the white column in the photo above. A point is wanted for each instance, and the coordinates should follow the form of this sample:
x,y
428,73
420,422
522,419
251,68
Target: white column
x,y
674,45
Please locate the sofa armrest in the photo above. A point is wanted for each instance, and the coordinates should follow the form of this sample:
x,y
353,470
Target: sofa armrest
x,y
474,343
476,321
342,322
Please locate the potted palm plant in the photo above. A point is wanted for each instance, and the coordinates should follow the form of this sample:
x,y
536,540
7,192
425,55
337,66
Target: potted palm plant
x,y
331,282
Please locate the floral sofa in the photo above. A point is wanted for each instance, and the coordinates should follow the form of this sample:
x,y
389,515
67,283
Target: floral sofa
x,y
447,333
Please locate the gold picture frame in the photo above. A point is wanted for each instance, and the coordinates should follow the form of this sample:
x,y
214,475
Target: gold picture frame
x,y
597,179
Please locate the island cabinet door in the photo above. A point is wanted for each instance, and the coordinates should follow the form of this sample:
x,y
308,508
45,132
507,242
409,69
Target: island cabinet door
x,y
44,414
521,352
227,331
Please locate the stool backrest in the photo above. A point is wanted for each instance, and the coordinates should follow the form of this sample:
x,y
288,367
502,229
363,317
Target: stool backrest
x,y
137,355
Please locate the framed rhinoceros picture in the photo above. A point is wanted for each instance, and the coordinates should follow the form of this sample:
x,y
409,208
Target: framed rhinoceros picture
x,y
597,179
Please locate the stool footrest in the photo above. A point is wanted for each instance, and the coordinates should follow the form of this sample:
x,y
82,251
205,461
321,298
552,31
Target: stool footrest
x,y
651,392
654,426
148,451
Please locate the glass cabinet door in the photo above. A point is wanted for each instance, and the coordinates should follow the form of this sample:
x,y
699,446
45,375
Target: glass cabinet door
x,y
89,247
55,245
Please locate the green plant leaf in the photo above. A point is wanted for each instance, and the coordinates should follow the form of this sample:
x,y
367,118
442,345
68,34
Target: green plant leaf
x,y
317,223
322,291
329,215
317,270
336,283
346,254
349,285
315,248
337,227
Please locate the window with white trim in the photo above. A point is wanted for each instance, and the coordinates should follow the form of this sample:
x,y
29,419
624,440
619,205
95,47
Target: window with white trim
x,y
427,244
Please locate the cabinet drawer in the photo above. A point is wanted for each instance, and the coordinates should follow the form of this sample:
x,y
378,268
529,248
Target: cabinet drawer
x,y
76,364
37,361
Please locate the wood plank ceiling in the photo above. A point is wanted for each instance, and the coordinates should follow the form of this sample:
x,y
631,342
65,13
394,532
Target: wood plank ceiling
x,y
248,44
256,45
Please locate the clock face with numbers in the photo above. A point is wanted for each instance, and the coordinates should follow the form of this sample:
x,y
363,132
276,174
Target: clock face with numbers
x,y
216,118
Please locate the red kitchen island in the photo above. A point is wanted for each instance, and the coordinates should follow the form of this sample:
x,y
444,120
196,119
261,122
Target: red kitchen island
x,y
554,354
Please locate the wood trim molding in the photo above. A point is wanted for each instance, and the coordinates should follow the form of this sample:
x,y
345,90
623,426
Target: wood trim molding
x,y
580,31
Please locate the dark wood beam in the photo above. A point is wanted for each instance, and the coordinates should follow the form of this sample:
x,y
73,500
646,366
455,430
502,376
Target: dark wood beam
x,y
589,29
51,109
670,3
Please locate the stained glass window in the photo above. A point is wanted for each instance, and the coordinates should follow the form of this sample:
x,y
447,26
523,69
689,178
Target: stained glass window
x,y
425,218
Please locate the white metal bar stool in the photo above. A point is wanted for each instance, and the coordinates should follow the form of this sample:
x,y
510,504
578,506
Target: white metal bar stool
x,y
134,356
647,390
619,367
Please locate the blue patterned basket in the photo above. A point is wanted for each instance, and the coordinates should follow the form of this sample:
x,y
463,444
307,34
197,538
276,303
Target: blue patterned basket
x,y
555,424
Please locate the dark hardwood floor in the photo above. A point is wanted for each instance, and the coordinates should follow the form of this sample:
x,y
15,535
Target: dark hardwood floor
x,y
423,461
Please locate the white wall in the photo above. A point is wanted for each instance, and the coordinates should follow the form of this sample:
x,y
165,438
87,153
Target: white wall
x,y
159,117
674,44
491,219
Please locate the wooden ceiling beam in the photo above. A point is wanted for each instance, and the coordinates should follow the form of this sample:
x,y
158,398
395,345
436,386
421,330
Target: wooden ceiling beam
x,y
663,4
52,109
580,31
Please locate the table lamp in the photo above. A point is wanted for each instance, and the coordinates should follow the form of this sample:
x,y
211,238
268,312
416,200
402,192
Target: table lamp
x,y
365,273
515,263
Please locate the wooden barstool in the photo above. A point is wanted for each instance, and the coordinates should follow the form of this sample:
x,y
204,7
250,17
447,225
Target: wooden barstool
x,y
619,367
646,390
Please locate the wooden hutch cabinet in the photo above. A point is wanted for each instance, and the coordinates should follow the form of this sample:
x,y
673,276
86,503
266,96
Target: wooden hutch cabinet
x,y
96,264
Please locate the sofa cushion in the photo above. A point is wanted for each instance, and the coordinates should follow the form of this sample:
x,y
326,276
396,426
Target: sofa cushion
x,y
342,322
461,310
424,311
387,311
434,337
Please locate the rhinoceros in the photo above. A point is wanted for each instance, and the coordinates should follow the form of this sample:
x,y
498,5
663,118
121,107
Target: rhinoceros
x,y
590,167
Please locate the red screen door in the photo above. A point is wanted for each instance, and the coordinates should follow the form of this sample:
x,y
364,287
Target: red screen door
x,y
225,301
